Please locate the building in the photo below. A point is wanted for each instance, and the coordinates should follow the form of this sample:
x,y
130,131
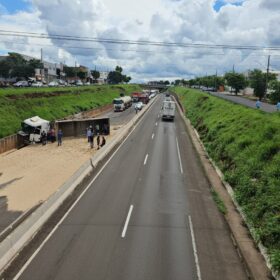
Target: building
x,y
50,71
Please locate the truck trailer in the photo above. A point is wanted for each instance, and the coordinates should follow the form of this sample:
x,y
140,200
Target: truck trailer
x,y
122,103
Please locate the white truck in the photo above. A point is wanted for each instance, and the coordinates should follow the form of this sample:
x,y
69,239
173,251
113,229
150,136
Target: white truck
x,y
32,128
168,110
122,103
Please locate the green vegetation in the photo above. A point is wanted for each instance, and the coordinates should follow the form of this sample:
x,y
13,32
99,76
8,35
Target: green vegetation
x,y
52,103
220,204
245,144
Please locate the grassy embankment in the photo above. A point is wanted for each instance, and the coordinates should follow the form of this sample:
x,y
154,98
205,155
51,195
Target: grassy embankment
x,y
245,144
52,103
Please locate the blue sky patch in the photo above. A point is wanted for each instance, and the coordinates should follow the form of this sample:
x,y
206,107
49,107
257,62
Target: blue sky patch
x,y
220,3
13,6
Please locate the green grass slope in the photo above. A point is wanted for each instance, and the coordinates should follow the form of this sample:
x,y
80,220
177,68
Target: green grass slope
x,y
52,103
245,144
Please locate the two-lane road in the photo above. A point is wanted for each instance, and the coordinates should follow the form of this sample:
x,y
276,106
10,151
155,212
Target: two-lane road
x,y
148,215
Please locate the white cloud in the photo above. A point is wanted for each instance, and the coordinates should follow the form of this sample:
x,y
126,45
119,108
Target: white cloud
x,y
255,22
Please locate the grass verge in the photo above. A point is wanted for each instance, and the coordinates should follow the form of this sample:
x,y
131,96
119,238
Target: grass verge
x,y
245,144
220,204
52,103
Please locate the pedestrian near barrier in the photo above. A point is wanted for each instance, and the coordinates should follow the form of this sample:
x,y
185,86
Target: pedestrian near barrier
x,y
278,106
258,104
91,139
59,137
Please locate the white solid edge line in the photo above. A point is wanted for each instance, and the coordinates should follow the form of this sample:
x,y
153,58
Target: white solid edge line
x,y
153,135
74,204
179,155
127,221
194,249
146,158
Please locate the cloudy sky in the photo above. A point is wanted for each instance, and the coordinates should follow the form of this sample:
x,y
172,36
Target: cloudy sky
x,y
207,22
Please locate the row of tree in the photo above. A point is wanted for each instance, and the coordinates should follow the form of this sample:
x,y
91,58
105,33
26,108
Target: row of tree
x,y
259,81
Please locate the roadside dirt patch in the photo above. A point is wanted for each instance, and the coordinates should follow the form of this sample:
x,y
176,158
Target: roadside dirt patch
x,y
32,174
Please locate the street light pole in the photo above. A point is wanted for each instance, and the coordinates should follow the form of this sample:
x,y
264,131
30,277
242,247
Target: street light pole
x,y
266,78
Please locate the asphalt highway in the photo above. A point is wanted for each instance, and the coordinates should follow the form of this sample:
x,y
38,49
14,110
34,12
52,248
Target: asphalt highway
x,y
148,215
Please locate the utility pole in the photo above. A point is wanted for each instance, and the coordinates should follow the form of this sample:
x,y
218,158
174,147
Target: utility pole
x,y
42,70
233,70
216,80
76,71
267,73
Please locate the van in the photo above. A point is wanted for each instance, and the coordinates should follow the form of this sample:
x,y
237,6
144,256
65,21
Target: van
x,y
168,110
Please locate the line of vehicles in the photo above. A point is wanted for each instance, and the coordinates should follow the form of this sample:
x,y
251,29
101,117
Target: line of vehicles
x,y
138,98
57,83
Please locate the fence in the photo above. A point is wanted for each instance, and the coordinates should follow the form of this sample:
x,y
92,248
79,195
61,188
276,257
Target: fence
x,y
8,143
15,141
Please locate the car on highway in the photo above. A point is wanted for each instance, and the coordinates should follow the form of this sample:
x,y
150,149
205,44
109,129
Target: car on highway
x,y
139,106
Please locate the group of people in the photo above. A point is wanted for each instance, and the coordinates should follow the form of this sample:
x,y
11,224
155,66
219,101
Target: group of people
x,y
258,105
51,137
100,140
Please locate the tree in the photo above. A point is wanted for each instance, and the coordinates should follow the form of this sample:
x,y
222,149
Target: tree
x,y
22,71
119,69
127,79
236,80
258,81
275,91
69,71
82,75
166,83
5,69
95,74
36,64
115,77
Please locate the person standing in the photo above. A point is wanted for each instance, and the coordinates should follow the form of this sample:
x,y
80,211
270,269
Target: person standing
x,y
91,139
44,138
98,141
59,137
258,104
103,142
89,130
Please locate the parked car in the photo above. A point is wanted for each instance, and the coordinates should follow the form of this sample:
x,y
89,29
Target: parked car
x,y
53,84
79,83
21,84
37,84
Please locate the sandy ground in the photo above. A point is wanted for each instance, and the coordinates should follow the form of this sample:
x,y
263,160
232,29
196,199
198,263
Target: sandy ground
x,y
32,174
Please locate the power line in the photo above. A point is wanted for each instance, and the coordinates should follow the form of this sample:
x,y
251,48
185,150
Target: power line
x,y
132,42
131,50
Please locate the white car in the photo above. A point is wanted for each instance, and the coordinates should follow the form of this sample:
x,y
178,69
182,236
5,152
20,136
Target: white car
x,y
37,84
21,84
139,105
53,84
